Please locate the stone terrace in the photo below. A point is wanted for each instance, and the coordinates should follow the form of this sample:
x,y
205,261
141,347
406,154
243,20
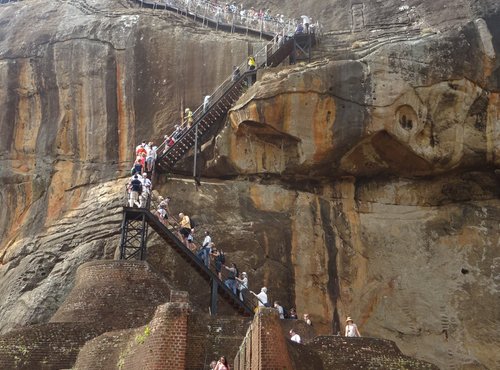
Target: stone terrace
x,y
363,353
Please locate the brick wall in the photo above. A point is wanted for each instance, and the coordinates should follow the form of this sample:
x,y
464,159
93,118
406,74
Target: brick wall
x,y
161,344
210,337
46,346
120,294
264,346
355,353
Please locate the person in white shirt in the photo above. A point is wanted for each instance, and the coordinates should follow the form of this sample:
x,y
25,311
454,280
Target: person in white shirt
x,y
351,329
206,249
146,189
281,313
261,297
295,337
242,284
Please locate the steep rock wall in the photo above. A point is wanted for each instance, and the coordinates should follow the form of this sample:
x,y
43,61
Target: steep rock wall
x,y
79,88
322,213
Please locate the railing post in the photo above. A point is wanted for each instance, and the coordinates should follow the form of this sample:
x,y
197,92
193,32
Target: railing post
x,y
144,237
213,297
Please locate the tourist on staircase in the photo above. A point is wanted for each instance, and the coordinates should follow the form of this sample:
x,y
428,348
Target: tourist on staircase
x,y
236,74
351,329
135,187
204,253
251,63
164,203
188,117
151,157
219,260
262,297
161,213
185,228
231,279
146,190
242,285
137,168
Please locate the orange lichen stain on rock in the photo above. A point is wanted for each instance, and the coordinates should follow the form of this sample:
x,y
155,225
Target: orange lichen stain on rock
x,y
493,129
271,198
322,124
309,259
61,180
28,111
123,127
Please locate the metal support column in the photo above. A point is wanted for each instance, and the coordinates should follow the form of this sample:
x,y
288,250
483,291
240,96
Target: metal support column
x,y
134,237
213,297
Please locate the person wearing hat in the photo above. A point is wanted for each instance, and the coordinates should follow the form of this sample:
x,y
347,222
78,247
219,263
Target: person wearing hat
x,y
351,329
242,284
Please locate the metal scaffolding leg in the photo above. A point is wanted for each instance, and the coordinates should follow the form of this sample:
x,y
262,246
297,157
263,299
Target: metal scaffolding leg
x,y
134,237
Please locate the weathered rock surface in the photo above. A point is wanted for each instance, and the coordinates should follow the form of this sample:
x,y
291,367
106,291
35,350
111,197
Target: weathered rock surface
x,y
364,187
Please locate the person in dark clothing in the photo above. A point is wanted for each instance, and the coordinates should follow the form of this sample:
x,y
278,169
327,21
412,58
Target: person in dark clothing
x,y
236,74
231,279
219,260
135,188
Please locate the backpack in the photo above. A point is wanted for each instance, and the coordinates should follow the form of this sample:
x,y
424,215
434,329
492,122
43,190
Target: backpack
x,y
192,223
222,258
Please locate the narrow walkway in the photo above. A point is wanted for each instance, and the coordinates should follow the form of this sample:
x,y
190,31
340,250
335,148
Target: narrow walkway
x,y
215,16
132,217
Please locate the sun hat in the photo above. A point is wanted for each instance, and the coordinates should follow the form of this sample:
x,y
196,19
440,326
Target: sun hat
x,y
349,319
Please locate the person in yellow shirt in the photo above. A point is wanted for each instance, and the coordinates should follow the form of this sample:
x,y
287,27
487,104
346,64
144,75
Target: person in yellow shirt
x,y
185,228
251,63
188,117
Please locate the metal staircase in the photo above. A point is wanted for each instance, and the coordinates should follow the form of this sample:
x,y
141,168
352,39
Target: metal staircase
x,y
134,234
207,118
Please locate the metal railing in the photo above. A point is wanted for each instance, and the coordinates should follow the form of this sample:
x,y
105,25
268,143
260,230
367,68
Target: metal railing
x,y
261,57
230,16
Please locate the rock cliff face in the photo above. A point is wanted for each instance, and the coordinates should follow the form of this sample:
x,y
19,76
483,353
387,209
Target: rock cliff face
x,y
366,186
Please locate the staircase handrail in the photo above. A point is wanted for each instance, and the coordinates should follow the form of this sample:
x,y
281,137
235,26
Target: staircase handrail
x,y
153,221
260,56
218,14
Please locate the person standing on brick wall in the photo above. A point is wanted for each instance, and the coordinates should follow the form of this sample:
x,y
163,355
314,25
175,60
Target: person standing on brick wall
x,y
262,297
351,329
280,309
294,337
